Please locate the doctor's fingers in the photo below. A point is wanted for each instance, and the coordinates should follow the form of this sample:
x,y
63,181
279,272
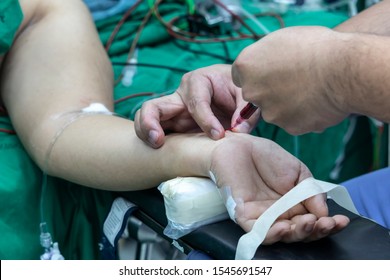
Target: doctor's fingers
x,y
149,117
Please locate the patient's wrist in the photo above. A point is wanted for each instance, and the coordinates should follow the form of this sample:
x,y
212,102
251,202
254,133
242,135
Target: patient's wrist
x,y
190,153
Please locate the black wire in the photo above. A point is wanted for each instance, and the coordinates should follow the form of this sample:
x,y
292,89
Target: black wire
x,y
227,54
176,69
226,58
187,48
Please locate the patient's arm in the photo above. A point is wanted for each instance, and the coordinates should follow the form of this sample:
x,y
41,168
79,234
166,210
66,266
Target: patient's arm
x,y
57,67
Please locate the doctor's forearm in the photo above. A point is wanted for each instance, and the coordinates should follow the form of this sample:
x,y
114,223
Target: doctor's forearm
x,y
361,78
374,20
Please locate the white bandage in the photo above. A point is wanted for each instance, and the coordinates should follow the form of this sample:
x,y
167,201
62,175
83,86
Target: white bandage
x,y
226,194
231,204
96,108
191,202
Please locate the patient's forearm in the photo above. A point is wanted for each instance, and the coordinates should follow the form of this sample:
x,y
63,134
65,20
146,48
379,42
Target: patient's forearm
x,y
103,151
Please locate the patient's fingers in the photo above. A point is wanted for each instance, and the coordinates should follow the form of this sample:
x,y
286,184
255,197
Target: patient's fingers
x,y
297,229
341,222
248,212
317,205
302,228
328,225
276,232
323,228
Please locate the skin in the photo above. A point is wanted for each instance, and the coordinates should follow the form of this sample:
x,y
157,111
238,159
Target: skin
x,y
64,68
206,99
295,95
303,79
318,87
326,74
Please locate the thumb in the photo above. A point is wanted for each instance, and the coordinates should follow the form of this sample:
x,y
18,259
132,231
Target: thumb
x,y
317,205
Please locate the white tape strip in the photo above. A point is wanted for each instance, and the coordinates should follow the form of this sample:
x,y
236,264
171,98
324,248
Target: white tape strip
x,y
96,108
249,242
230,203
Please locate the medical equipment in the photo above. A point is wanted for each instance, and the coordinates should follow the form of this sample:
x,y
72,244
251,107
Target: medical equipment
x,y
245,114
217,17
52,250
360,240
192,202
283,6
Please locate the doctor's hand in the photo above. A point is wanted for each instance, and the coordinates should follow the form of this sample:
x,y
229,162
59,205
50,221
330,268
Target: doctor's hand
x,y
206,100
256,172
294,75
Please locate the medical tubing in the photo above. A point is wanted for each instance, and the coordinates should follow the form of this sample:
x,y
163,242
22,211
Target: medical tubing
x,y
254,19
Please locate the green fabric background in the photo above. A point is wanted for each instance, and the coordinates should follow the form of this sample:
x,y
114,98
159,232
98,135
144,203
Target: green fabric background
x,y
10,18
74,213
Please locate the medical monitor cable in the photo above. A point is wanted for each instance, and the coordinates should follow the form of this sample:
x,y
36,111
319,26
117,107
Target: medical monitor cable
x,y
119,25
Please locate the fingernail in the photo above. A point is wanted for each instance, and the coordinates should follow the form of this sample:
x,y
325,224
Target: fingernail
x,y
242,127
309,227
153,137
215,133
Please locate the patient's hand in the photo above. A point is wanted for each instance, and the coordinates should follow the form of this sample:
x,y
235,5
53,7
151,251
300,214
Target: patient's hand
x,y
258,172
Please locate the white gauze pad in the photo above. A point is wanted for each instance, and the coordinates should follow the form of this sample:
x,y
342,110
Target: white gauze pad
x,y
189,203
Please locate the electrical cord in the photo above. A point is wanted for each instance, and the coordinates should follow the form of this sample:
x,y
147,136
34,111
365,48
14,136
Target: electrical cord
x,y
8,131
175,32
175,69
227,54
3,112
120,23
226,58
137,36
238,18
178,33
140,94
277,16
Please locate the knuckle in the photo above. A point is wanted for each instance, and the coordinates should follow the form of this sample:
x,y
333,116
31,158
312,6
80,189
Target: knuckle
x,y
186,78
193,104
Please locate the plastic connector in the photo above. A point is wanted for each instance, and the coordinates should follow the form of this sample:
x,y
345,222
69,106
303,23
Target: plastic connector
x,y
45,237
55,253
52,250
130,70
